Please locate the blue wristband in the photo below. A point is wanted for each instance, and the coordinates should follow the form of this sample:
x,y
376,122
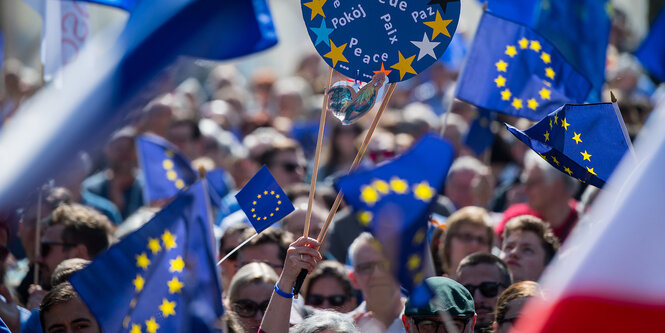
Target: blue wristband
x,y
283,293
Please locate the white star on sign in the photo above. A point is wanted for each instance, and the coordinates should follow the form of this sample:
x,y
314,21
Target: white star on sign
x,y
426,47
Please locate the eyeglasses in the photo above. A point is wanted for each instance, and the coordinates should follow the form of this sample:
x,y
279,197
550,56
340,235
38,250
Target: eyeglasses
x,y
487,289
468,238
368,267
291,167
333,300
46,247
247,308
431,325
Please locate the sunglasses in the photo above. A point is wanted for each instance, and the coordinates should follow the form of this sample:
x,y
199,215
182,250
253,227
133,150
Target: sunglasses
x,y
247,309
291,167
46,247
368,267
487,289
333,300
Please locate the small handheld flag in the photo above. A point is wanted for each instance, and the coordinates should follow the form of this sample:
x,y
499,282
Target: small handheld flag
x,y
263,201
165,170
513,70
480,136
162,276
584,141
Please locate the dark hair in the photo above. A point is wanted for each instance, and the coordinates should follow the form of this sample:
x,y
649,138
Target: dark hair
x,y
548,240
83,225
279,237
66,269
522,289
60,294
490,259
232,230
333,269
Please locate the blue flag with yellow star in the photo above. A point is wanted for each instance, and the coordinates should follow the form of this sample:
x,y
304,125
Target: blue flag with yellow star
x,y
263,201
513,70
480,135
393,202
160,278
584,141
165,170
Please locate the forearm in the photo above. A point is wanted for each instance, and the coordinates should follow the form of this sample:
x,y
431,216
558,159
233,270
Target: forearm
x,y
276,318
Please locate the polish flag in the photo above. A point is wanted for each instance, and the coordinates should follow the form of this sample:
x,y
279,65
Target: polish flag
x,y
610,277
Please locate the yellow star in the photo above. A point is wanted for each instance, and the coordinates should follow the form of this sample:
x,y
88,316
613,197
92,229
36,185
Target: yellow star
x,y
505,95
179,184
543,156
317,8
419,237
546,57
524,43
365,218
544,93
167,308
423,191
556,119
581,181
174,285
369,195
500,81
517,103
564,124
555,160
439,26
272,192
511,51
381,186
253,202
418,278
135,328
399,186
171,175
169,240
533,105
576,137
414,262
591,171
167,164
549,72
153,245
547,136
336,53
568,171
142,261
586,156
139,282
258,196
176,265
151,325
132,303
265,192
535,45
501,66
404,65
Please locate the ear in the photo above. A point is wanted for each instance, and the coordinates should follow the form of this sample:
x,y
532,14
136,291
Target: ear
x,y
405,321
354,281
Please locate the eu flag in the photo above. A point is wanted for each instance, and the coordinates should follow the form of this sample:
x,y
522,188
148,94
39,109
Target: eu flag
x,y
162,277
217,186
480,135
513,70
522,11
263,201
165,170
584,141
652,51
393,202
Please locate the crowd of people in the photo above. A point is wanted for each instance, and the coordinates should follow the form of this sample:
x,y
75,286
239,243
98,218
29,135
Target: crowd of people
x,y
497,223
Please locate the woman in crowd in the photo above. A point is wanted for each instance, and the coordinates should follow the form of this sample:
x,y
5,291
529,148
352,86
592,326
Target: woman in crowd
x,y
329,288
249,294
510,304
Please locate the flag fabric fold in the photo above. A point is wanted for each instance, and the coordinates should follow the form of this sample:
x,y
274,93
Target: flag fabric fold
x,y
586,141
480,135
393,202
162,276
651,52
263,200
513,70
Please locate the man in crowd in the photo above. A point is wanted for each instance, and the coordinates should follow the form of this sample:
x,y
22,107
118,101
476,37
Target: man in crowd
x,y
63,311
528,246
485,276
268,247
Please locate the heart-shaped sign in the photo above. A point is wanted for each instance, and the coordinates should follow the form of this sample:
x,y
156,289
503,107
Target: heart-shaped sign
x,y
399,38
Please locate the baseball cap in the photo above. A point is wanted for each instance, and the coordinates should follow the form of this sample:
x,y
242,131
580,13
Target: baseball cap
x,y
447,295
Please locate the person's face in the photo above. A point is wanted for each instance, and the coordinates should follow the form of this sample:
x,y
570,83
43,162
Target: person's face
x,y
267,253
229,265
251,305
296,223
371,272
514,308
538,189
70,317
53,251
121,155
288,167
484,283
468,239
459,189
435,324
327,293
524,254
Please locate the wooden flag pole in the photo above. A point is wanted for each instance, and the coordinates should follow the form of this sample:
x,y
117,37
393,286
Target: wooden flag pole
x,y
317,154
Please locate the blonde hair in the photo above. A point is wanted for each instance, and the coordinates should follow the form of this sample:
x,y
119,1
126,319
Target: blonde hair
x,y
256,272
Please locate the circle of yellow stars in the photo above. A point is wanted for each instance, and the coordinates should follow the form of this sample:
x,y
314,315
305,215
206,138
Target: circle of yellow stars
x,y
166,242
265,194
171,173
502,67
